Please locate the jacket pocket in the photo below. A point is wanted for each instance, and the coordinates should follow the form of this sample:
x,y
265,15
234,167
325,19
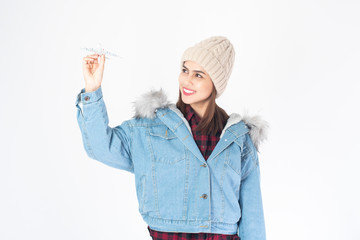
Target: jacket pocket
x,y
164,145
171,181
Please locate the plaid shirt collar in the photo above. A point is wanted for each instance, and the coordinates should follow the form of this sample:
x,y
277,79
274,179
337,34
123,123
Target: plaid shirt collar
x,y
189,112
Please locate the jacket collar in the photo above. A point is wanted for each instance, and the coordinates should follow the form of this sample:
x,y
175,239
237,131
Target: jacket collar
x,y
155,103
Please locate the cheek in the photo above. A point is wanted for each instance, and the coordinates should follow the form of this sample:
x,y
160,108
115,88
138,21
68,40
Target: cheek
x,y
180,79
206,87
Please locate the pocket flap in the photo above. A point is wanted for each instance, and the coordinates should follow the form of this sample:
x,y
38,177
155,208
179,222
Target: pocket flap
x,y
162,131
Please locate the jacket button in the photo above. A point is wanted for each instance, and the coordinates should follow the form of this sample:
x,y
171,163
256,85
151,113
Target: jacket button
x,y
204,196
203,165
87,98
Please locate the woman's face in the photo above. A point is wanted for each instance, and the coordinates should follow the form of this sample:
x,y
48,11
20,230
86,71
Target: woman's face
x,y
195,84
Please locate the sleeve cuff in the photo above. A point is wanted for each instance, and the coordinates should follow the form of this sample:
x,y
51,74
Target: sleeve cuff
x,y
88,97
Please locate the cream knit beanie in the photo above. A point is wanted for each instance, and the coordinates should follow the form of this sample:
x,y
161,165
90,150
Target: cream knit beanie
x,y
216,55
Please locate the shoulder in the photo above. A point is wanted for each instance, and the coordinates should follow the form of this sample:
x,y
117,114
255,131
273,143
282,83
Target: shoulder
x,y
145,107
256,126
146,104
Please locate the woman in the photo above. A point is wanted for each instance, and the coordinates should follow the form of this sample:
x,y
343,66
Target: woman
x,y
196,168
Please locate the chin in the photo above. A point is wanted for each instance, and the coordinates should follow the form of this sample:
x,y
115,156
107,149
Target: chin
x,y
188,101
185,100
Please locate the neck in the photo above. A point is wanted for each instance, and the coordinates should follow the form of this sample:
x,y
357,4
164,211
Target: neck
x,y
200,108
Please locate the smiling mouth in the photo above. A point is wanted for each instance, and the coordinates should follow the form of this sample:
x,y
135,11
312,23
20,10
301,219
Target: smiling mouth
x,y
188,92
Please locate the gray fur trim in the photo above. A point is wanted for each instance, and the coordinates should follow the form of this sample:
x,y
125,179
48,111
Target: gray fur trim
x,y
145,107
258,128
148,102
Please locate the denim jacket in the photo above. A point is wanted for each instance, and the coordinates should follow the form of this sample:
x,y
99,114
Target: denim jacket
x,y
177,189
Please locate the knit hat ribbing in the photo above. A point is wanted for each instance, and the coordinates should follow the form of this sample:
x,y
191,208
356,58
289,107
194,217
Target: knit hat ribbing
x,y
216,55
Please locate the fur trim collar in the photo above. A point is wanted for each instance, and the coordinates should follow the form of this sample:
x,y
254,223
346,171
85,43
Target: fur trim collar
x,y
146,106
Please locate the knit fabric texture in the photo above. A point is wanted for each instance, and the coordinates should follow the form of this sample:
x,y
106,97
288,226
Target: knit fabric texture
x,y
216,55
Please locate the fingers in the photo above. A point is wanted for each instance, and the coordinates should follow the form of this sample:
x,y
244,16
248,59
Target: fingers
x,y
88,60
95,55
94,58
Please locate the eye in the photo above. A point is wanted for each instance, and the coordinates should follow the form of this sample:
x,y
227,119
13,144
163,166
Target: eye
x,y
199,75
184,70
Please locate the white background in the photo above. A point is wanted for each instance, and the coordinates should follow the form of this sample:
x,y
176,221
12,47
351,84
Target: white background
x,y
297,65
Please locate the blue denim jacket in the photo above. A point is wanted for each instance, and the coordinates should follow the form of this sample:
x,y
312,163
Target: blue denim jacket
x,y
177,189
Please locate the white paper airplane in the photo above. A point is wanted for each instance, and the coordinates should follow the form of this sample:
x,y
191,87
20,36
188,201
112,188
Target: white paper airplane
x,y
100,50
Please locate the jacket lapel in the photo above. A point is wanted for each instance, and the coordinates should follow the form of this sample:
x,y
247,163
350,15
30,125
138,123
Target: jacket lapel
x,y
230,134
176,122
152,101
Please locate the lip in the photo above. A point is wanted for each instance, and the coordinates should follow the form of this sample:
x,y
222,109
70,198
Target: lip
x,y
188,94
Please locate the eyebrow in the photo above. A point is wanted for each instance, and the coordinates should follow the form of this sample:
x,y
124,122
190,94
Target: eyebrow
x,y
195,70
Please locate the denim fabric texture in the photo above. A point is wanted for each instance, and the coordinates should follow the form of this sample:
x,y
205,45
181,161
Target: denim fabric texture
x,y
177,189
206,144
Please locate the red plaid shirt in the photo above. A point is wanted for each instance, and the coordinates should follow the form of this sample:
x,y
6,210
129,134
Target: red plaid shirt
x,y
206,144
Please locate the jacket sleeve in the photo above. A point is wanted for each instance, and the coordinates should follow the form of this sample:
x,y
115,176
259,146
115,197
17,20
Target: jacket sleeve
x,y
252,223
101,142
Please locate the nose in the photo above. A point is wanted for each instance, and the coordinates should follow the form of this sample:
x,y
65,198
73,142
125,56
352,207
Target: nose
x,y
188,81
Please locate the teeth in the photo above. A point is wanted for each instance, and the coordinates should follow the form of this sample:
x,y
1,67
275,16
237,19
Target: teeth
x,y
187,91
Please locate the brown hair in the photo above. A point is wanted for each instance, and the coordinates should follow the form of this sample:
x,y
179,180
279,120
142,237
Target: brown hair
x,y
214,118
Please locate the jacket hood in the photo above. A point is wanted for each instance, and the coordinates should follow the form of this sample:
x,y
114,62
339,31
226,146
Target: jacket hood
x,y
148,103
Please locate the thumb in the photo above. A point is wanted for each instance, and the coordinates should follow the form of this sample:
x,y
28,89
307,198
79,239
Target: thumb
x,y
102,60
